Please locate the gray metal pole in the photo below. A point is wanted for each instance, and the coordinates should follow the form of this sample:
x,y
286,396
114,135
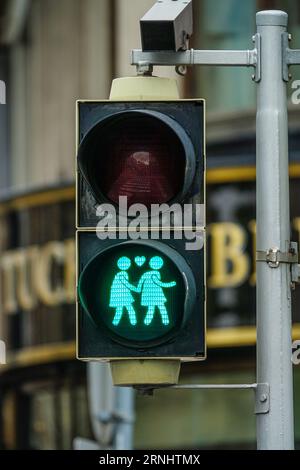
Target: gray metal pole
x,y
274,366
101,401
111,409
125,402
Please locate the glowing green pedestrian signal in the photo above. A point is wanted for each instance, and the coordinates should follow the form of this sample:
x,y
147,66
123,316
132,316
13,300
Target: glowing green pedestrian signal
x,y
150,287
121,297
134,292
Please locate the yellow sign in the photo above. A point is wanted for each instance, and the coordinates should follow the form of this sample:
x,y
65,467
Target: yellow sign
x,y
46,274
27,276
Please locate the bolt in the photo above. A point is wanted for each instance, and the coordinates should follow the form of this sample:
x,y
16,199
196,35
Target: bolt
x,y
253,77
290,37
263,398
181,70
253,38
290,76
144,390
144,69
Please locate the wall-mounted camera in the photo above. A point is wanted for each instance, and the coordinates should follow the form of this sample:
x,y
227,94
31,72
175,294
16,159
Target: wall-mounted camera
x,y
167,26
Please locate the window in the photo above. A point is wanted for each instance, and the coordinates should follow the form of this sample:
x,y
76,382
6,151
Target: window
x,y
224,25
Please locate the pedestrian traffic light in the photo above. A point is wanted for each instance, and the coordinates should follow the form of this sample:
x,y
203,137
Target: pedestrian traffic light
x,y
141,288
139,292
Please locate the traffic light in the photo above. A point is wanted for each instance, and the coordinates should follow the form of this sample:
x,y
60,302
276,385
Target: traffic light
x,y
141,292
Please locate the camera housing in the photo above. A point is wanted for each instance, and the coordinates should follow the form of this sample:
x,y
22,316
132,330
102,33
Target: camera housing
x,y
167,26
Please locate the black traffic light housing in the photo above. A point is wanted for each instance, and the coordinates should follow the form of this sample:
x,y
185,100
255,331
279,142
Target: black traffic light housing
x,y
153,152
186,339
99,128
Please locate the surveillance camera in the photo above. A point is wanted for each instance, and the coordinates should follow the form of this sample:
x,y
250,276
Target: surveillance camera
x,y
167,25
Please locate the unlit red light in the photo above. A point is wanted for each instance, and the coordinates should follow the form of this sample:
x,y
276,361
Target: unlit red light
x,y
146,162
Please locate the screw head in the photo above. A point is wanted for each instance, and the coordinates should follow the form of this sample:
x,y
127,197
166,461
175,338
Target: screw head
x,y
263,398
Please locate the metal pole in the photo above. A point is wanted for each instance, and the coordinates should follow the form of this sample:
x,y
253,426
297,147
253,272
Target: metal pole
x,y
125,409
111,409
101,401
274,366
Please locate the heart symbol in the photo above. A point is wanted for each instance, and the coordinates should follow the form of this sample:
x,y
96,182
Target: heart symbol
x,y
140,260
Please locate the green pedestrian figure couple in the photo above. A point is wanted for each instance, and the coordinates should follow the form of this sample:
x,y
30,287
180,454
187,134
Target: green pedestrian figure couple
x,y
150,287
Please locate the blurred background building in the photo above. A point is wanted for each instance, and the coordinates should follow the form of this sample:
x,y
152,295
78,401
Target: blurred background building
x,y
51,54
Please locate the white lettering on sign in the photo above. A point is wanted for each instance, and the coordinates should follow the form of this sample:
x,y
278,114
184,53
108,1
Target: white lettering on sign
x,y
2,353
2,92
295,98
296,353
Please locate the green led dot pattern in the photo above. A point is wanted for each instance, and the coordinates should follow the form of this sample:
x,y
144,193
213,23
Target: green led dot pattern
x,y
150,287
135,292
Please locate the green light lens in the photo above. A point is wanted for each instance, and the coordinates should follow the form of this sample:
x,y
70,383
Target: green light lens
x,y
134,291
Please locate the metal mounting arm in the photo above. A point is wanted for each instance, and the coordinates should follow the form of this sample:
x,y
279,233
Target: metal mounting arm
x,y
289,56
295,268
261,390
243,58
